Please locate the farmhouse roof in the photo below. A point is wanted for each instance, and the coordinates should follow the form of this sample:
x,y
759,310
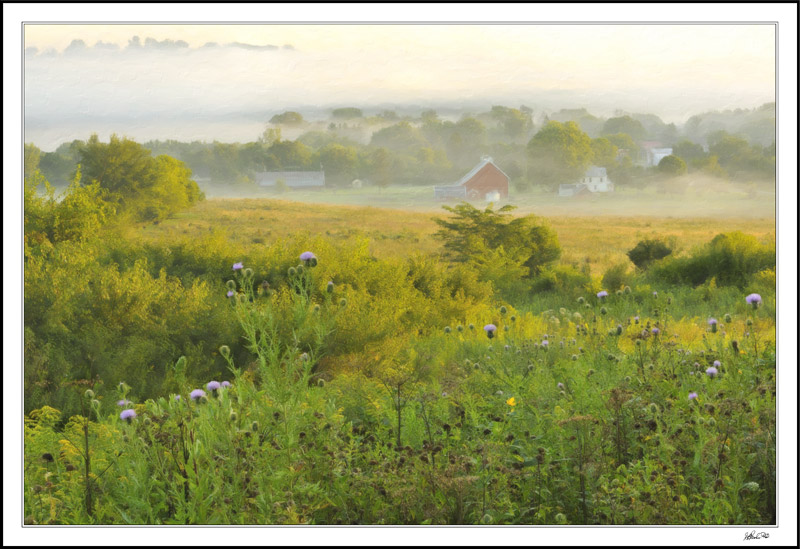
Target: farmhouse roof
x,y
292,179
595,171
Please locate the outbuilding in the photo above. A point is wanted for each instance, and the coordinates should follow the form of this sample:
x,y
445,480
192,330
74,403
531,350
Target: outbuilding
x,y
484,182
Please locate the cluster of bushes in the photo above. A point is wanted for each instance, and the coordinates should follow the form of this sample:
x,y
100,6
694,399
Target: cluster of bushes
x,y
607,410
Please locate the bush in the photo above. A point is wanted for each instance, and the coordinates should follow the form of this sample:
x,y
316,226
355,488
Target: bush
x,y
616,277
647,251
731,258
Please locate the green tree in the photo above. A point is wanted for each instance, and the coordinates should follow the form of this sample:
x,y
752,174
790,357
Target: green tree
x,y
401,137
473,235
340,163
604,153
379,163
672,165
347,112
558,153
33,155
291,154
288,118
625,124
692,153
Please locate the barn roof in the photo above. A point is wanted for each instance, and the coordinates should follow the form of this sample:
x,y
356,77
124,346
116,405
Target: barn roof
x,y
484,161
292,179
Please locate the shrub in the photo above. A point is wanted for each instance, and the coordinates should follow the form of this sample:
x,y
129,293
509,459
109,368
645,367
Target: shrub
x,y
616,277
647,251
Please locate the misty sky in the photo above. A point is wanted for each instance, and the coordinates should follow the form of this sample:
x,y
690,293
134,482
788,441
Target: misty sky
x,y
77,76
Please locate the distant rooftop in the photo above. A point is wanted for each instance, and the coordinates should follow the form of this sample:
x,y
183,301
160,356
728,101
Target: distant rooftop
x,y
595,171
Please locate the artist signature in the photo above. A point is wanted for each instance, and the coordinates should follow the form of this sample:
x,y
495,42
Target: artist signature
x,y
754,535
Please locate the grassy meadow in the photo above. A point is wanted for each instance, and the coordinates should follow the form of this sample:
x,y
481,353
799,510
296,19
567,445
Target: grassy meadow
x,y
207,369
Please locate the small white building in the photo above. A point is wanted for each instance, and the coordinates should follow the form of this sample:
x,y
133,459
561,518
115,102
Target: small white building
x,y
595,180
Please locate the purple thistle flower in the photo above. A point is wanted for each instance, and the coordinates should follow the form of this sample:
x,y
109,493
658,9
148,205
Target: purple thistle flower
x,y
692,395
636,320
655,331
230,293
560,385
123,403
306,256
601,294
197,393
127,415
545,343
238,266
177,398
712,321
711,372
226,384
213,385
754,300
717,363
490,329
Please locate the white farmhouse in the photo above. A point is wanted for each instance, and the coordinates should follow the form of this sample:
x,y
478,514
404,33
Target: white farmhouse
x,y
595,180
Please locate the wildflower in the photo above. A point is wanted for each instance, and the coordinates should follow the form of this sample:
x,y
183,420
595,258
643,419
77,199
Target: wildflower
x,y
471,326
511,401
581,300
655,295
197,393
292,271
230,293
307,256
560,385
444,394
574,357
603,311
123,403
712,371
655,331
343,302
213,385
177,398
602,294
304,357
330,286
447,329
503,310
238,266
754,300
127,415
460,328
636,320
499,393
619,329
225,384
507,347
727,318
545,344
490,330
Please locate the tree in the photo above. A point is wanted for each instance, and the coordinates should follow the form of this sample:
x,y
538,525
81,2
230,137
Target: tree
x,y
340,163
401,137
558,153
291,154
32,157
380,166
604,153
672,165
288,118
625,124
647,251
473,235
134,182
347,112
690,152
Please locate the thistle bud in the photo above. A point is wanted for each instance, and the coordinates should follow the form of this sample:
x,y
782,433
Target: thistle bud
x,y
513,318
147,421
292,271
329,287
225,351
619,329
316,308
727,318
749,322
343,302
248,273
320,383
300,269
254,426
471,326
581,300
233,417
460,328
503,310
231,285
89,394
447,329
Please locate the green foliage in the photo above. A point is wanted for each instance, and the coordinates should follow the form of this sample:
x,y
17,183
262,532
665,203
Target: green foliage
x,y
729,259
647,251
558,153
340,163
289,118
347,112
625,124
137,184
494,240
672,166
616,277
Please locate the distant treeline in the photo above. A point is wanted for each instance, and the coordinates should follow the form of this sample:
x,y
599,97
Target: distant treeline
x,y
429,150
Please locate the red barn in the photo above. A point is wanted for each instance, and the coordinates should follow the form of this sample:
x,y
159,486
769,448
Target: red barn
x,y
484,182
